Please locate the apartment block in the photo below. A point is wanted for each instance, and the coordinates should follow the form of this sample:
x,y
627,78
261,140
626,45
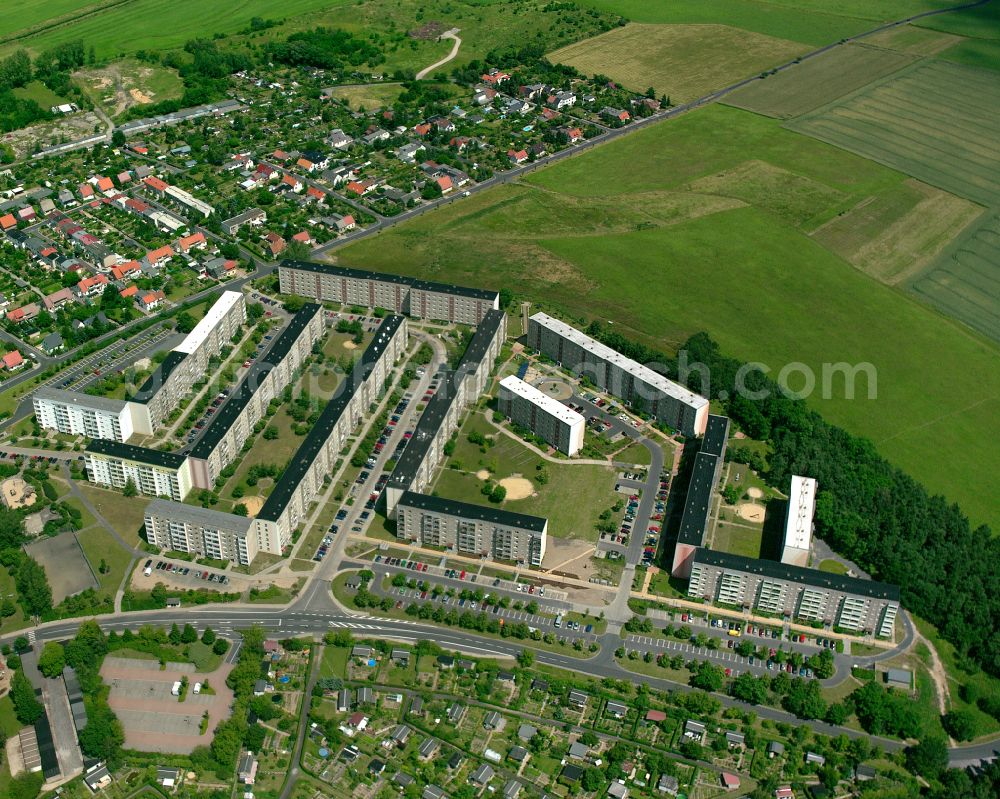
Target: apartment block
x,y
200,531
544,416
799,521
302,481
230,428
187,363
635,384
698,502
425,449
154,473
793,592
81,414
476,365
468,529
420,299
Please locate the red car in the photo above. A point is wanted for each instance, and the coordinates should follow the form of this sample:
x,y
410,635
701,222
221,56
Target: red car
x,y
246,364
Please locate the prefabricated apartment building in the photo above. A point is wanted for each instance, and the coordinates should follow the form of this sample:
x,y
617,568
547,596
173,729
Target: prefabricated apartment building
x,y
525,405
786,589
76,413
630,381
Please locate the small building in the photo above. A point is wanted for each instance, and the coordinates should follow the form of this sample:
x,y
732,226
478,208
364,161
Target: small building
x,y
815,759
433,792
493,721
511,789
402,779
417,706
362,652
775,748
445,662
540,685
365,696
455,761
729,781
694,730
97,777
735,740
526,732
579,751
247,772
668,784
168,776
572,772
376,767
343,700
899,678
428,748
482,775
456,712
616,710
617,790
400,735
401,657
53,342
518,754
577,699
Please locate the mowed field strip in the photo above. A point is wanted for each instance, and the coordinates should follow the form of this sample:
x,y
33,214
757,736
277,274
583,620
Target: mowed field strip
x,y
935,121
155,25
818,81
704,223
965,281
682,61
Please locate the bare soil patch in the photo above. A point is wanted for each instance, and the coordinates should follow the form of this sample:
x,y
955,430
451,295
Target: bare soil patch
x,y
518,487
751,511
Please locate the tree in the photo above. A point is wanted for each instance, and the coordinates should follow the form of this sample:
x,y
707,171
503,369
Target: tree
x,y
241,510
33,587
103,736
174,636
26,786
270,432
52,661
707,677
189,634
129,490
929,757
498,494
592,780
221,646
750,689
26,707
959,724
118,138
185,322
208,637
525,658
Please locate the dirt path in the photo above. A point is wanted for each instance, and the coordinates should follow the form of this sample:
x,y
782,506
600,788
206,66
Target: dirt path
x,y
937,672
454,52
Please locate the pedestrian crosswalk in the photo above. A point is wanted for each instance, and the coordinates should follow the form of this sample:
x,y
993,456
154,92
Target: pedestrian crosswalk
x,y
31,637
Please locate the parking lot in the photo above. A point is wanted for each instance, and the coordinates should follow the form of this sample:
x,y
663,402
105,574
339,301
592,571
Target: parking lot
x,y
156,720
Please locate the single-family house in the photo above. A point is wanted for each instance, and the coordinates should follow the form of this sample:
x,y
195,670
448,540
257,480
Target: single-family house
x,y
517,156
275,243
247,772
13,360
615,114
428,748
482,775
57,299
526,732
196,241
150,300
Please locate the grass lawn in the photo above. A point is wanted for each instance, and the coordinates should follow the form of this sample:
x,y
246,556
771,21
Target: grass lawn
x,y
8,589
98,545
369,96
40,93
681,61
634,453
832,566
737,539
203,657
737,263
334,663
567,499
125,514
277,451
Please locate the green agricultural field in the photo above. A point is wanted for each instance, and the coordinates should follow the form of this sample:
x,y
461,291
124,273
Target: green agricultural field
x,y
815,22
124,28
974,53
817,81
617,233
26,14
682,61
976,23
935,121
964,282
913,40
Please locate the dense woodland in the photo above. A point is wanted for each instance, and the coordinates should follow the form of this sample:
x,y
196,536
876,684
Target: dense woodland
x,y
867,509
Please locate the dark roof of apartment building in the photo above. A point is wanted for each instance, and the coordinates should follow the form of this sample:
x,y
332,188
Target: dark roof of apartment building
x,y
486,331
435,411
156,380
694,520
467,510
716,434
797,574
130,452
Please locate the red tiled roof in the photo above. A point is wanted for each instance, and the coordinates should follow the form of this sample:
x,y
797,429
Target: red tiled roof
x,y
7,221
155,183
12,359
187,242
105,184
125,269
166,251
302,236
130,291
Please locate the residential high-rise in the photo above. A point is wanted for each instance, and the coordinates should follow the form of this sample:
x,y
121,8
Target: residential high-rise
x,y
544,416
